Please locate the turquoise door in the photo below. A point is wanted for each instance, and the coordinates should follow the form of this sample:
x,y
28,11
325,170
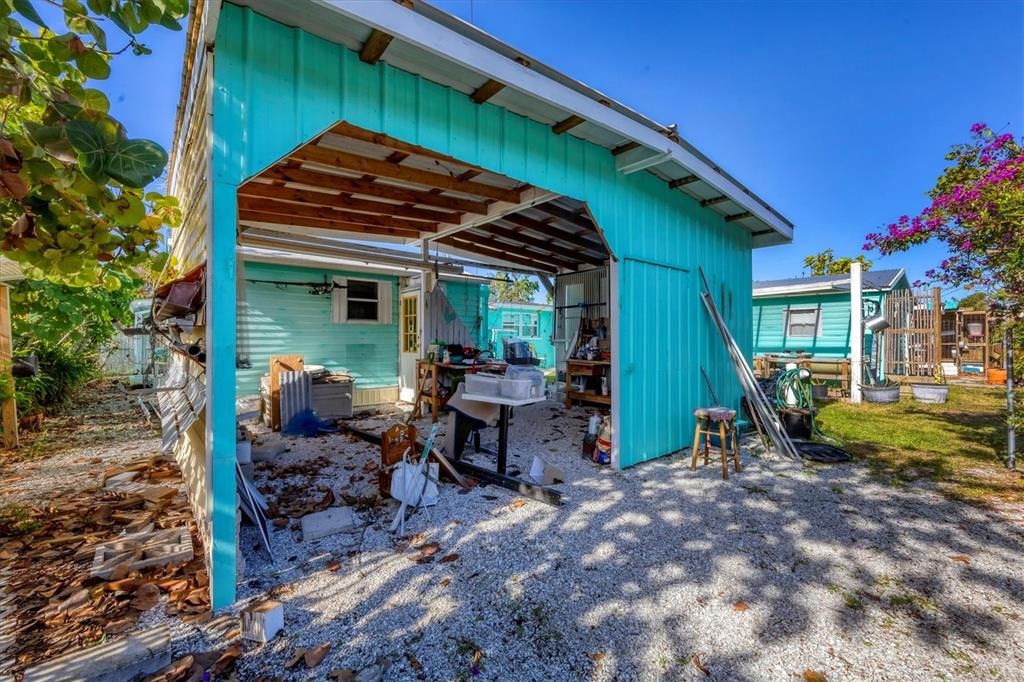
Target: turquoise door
x,y
657,335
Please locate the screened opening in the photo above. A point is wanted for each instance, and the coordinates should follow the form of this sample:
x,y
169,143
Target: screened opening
x,y
802,322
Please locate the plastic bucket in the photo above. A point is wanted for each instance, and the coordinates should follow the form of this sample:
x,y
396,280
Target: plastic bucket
x,y
995,375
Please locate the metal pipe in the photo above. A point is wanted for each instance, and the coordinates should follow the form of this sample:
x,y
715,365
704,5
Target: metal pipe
x,y
1011,430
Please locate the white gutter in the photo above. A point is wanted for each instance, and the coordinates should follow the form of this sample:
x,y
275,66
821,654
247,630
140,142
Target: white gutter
x,y
443,42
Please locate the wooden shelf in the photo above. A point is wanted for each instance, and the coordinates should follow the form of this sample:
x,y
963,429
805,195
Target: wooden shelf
x,y
589,363
588,397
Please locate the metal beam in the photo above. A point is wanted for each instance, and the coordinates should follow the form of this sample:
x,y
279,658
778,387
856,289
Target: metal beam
x,y
640,159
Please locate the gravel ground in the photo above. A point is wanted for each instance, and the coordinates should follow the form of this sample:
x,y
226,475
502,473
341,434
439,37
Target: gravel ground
x,y
653,573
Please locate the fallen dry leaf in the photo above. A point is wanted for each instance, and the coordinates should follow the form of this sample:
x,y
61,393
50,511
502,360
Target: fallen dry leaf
x,y
598,656
333,565
449,558
315,657
700,665
446,582
342,675
962,558
414,663
740,606
226,660
296,657
146,597
516,504
814,676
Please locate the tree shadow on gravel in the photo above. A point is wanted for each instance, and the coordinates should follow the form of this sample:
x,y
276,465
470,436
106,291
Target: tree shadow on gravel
x,y
659,572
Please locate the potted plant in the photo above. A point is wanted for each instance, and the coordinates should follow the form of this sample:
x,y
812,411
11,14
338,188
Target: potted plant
x,y
936,392
887,391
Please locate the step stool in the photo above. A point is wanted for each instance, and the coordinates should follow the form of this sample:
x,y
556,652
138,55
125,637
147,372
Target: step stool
x,y
707,419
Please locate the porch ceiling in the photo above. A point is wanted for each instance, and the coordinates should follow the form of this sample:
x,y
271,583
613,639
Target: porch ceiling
x,y
353,183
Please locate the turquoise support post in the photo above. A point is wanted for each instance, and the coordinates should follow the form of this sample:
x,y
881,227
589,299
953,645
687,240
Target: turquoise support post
x,y
221,308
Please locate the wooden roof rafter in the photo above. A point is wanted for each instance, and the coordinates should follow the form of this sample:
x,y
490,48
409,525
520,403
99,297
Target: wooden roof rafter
x,y
310,197
547,245
286,208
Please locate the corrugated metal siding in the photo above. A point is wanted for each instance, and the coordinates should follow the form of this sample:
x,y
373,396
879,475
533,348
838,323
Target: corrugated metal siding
x,y
289,320
469,301
278,87
589,286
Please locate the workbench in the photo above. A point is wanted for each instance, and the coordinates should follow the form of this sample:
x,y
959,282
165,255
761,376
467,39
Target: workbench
x,y
442,373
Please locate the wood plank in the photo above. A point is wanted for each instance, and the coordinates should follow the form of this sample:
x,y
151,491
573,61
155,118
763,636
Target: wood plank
x,y
474,246
374,47
577,219
680,182
346,129
248,203
567,124
714,201
572,239
310,197
623,148
10,407
487,91
330,181
304,221
574,255
531,490
585,240
384,169
278,364
738,216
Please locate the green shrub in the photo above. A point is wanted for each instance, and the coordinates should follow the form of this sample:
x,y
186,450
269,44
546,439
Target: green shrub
x,y
61,371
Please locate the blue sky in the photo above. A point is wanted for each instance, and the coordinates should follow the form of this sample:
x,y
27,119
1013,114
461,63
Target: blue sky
x,y
838,114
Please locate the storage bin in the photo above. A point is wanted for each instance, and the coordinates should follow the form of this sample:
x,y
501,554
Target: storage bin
x,y
531,374
516,389
482,384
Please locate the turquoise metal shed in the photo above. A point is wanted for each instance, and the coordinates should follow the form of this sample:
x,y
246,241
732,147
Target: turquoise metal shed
x,y
530,322
812,314
376,132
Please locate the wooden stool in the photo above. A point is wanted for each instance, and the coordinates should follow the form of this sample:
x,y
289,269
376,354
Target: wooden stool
x,y
725,418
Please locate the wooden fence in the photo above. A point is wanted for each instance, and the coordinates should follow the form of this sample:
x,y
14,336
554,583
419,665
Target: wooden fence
x,y
913,344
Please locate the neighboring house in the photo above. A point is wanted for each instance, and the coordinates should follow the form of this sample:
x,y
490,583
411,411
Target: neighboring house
x,y
812,314
530,322
394,139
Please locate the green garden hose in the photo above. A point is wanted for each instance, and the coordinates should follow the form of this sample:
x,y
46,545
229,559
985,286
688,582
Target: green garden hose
x,y
788,382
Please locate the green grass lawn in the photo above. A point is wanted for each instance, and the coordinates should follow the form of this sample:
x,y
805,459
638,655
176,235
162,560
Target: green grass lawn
x,y
960,445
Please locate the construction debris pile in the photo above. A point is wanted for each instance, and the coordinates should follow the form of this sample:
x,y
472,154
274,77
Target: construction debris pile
x,y
84,567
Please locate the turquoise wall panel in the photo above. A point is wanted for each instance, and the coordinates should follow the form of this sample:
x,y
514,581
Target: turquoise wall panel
x,y
279,84
286,320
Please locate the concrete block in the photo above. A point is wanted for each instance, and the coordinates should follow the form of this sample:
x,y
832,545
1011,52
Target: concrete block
x,y
142,550
122,660
262,622
328,522
267,448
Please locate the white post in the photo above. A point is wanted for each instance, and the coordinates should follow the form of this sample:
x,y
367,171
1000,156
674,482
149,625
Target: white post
x,y
856,333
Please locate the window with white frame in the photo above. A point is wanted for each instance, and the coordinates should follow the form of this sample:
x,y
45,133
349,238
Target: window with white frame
x,y
365,301
802,322
523,325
